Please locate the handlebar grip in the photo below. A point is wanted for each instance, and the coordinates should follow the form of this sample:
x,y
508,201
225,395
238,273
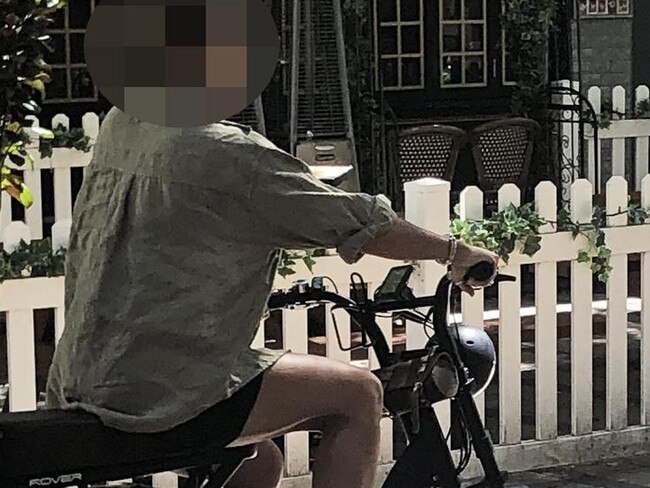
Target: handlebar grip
x,y
482,271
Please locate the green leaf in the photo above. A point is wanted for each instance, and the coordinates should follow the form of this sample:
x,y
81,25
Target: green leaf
x,y
44,134
583,257
14,127
36,85
532,245
17,159
18,190
604,252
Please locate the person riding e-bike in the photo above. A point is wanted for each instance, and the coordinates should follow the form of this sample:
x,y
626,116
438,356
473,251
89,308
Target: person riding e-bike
x,y
174,246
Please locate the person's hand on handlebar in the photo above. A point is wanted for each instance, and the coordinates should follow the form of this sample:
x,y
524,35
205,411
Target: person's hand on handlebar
x,y
466,257
406,241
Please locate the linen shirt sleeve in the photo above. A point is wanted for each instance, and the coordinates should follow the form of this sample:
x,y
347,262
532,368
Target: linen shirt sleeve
x,y
292,209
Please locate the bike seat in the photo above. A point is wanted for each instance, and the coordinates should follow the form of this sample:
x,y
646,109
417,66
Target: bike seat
x,y
54,442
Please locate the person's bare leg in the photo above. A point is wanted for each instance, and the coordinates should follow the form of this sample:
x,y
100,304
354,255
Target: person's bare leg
x,y
263,471
302,390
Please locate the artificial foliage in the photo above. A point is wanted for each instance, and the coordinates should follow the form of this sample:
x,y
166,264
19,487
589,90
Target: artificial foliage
x,y
608,115
528,28
65,138
359,55
518,227
30,260
23,76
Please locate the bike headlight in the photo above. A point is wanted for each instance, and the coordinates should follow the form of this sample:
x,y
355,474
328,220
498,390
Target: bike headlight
x,y
444,382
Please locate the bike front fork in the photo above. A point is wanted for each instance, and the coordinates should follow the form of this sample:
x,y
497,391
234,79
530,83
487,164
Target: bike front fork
x,y
427,461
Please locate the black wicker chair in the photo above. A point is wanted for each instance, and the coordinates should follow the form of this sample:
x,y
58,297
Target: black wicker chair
x,y
503,152
429,151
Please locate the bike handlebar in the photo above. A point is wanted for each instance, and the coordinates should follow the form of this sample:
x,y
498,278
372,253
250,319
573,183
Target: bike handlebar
x,y
482,271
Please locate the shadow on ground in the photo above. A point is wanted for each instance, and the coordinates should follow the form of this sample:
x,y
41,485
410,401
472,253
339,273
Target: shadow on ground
x,y
628,472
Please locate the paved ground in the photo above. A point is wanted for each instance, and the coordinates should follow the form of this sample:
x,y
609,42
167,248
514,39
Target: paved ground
x,y
629,472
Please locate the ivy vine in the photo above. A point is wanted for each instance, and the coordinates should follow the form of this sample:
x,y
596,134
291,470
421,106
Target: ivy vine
x,y
33,259
63,137
288,260
528,28
608,114
519,226
528,31
359,54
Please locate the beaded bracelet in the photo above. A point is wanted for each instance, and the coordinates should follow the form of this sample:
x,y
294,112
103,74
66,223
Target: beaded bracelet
x,y
453,247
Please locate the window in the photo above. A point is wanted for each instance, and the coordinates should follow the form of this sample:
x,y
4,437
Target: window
x,y
463,43
401,43
71,81
592,8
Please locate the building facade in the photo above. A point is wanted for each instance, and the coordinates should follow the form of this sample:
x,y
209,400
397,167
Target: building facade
x,y
606,47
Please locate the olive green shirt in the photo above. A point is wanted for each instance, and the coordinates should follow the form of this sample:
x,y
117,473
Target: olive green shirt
x,y
172,256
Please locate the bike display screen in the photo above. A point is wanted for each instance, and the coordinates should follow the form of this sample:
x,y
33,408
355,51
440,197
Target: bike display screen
x,y
394,283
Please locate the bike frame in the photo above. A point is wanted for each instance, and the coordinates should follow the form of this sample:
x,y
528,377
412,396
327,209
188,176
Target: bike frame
x,y
427,461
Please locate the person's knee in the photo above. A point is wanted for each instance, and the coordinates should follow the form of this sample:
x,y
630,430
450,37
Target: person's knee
x,y
367,394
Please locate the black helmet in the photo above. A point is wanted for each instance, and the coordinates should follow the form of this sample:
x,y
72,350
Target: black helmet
x,y
477,353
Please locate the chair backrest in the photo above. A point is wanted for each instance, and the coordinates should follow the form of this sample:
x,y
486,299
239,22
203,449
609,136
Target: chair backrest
x,y
429,151
503,151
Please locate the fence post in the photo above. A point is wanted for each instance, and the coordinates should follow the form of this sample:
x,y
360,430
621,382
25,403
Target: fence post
x,y
510,340
13,233
471,208
546,323
645,316
581,320
296,444
5,210
34,214
61,234
90,124
427,206
21,360
642,153
618,144
62,181
616,358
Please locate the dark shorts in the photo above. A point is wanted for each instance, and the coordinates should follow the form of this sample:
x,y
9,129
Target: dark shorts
x,y
223,422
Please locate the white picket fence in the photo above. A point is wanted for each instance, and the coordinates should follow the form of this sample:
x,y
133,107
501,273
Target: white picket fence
x,y
61,164
427,205
618,133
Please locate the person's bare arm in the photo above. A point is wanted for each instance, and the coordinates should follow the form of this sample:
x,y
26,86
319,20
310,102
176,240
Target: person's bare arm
x,y
403,241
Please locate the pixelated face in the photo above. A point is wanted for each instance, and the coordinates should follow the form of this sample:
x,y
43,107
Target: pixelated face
x,y
181,63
